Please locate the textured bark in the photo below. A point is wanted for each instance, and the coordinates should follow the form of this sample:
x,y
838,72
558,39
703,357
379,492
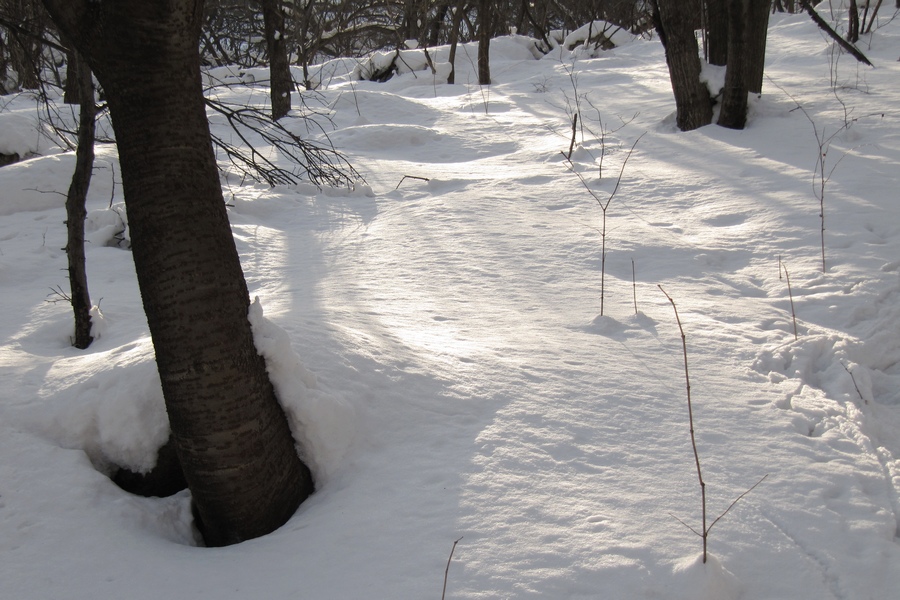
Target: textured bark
x,y
485,30
70,91
675,25
757,32
76,211
733,113
230,433
280,81
716,31
853,22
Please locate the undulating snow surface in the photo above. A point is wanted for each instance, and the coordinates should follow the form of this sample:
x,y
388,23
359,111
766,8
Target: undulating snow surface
x,y
439,346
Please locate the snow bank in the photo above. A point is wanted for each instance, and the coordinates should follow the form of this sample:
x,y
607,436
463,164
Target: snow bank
x,y
324,426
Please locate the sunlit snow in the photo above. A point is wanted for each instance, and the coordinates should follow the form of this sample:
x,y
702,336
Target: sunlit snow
x,y
438,346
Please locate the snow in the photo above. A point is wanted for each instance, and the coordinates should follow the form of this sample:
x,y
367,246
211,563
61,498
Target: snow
x,y
439,349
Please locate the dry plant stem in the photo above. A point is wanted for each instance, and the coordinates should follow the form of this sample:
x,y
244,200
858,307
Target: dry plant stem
x,y
687,380
405,177
821,174
603,207
736,500
574,131
787,277
634,287
853,378
447,569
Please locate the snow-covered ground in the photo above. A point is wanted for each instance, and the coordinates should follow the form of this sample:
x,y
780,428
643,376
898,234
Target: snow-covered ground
x,y
451,374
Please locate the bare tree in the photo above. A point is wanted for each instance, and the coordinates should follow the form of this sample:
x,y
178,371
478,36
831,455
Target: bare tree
x,y
280,81
76,210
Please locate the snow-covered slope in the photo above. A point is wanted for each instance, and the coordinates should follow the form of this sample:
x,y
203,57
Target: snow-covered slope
x,y
452,376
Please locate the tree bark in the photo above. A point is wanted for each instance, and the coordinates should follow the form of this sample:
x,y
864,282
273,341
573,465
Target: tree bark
x,y
733,112
454,39
71,94
853,22
675,25
76,210
485,30
757,32
230,433
280,81
716,31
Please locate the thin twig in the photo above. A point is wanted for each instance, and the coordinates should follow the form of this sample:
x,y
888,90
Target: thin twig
x,y
736,500
634,286
447,569
405,177
603,207
685,524
853,378
574,132
787,276
687,380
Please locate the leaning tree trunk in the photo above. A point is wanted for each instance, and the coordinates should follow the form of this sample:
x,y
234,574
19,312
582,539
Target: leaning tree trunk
x,y
76,199
230,433
280,81
675,24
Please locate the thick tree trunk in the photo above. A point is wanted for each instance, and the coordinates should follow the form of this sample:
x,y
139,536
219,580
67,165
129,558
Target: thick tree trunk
x,y
280,80
230,433
76,210
675,25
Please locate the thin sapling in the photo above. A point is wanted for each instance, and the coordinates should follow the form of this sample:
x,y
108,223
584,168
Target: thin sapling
x,y
604,205
704,533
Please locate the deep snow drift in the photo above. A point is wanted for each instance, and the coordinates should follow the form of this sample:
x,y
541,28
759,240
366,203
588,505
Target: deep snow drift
x,y
439,346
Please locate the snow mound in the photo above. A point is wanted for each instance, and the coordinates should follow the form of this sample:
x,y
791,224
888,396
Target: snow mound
x,y
322,425
692,578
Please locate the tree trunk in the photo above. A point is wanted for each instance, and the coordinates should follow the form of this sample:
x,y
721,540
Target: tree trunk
x,y
454,39
76,210
734,99
485,27
437,24
280,80
853,22
675,25
716,31
71,92
757,32
230,433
